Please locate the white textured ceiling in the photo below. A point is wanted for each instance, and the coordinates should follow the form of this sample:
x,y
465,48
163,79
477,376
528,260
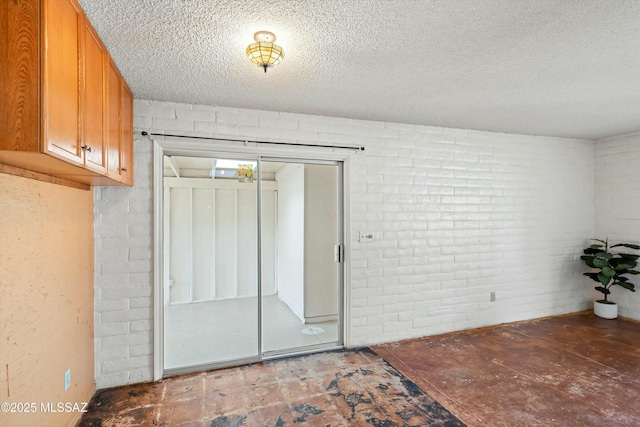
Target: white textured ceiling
x,y
545,67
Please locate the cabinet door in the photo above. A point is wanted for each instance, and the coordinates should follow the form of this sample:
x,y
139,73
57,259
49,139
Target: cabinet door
x,y
114,98
61,113
19,78
126,138
94,60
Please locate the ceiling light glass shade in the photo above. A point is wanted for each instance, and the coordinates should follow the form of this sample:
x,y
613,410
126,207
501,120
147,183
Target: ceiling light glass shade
x,y
264,53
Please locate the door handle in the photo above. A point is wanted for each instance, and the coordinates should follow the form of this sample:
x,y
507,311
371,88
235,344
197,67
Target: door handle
x,y
338,253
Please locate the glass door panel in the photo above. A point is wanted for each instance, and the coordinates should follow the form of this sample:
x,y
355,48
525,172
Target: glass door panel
x,y
238,287
211,265
300,233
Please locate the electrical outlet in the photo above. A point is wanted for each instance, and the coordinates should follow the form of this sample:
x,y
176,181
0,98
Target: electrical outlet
x,y
492,296
67,379
365,236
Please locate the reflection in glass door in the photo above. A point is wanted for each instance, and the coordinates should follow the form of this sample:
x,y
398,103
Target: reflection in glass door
x,y
211,268
219,256
299,258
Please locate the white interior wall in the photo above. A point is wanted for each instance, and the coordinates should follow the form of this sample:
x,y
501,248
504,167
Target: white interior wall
x,y
290,237
308,214
226,243
203,254
247,264
212,240
269,226
180,265
268,240
617,207
455,213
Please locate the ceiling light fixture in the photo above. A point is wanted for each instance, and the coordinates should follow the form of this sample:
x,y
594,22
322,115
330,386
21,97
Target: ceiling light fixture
x,y
264,53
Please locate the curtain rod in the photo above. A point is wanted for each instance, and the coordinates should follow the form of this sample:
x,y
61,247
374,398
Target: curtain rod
x,y
345,147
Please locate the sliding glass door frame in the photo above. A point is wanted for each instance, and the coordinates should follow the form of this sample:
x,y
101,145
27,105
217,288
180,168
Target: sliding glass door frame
x,y
339,343
311,155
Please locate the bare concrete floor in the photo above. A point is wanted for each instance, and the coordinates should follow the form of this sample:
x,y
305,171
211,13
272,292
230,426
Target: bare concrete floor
x,y
575,370
339,388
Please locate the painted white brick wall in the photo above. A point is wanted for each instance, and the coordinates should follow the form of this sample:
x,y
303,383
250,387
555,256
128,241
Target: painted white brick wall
x,y
462,214
617,205
457,214
124,277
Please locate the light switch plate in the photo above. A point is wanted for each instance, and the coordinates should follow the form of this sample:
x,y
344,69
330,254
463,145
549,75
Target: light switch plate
x,y
365,236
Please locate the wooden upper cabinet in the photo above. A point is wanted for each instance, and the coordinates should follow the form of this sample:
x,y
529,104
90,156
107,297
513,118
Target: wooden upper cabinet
x,y
66,110
94,59
120,127
113,121
126,135
61,66
19,76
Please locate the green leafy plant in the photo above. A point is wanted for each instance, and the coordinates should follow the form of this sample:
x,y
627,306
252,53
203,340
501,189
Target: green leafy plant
x,y
245,172
612,267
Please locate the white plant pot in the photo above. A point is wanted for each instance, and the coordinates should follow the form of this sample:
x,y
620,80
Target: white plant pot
x,y
606,311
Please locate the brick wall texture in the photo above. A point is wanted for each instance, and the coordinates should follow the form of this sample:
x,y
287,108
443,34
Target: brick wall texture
x,y
617,205
456,214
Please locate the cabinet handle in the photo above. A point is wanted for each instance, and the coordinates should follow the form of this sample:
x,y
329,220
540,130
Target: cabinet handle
x,y
86,148
123,169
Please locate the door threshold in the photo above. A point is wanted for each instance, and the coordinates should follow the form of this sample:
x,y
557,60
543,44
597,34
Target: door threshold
x,y
267,356
192,369
277,354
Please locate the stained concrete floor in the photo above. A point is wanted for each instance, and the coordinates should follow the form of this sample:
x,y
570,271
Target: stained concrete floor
x,y
574,370
339,388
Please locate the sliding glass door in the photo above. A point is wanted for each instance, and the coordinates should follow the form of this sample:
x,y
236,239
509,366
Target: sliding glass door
x,y
211,263
251,259
301,269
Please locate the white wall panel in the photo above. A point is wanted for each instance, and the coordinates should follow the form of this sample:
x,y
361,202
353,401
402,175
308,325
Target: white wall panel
x,y
617,203
222,244
204,267
180,256
247,238
290,240
226,244
269,248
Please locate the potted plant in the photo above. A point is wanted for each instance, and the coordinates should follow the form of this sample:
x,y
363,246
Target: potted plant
x,y
611,270
245,172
